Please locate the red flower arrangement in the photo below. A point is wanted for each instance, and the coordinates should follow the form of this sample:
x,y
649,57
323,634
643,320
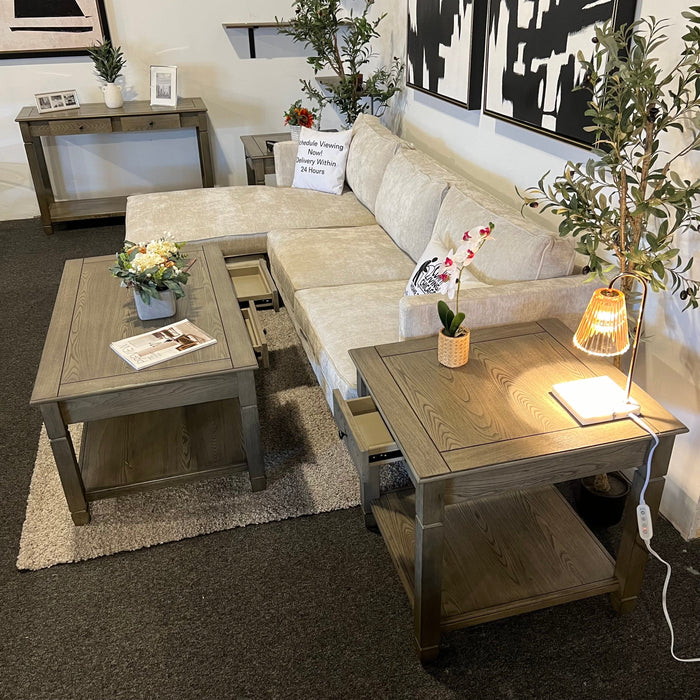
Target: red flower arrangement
x,y
297,115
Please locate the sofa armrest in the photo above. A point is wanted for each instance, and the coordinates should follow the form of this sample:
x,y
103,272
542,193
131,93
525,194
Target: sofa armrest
x,y
564,298
285,153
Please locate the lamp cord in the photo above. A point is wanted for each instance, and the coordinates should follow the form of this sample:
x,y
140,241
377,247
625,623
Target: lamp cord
x,y
645,426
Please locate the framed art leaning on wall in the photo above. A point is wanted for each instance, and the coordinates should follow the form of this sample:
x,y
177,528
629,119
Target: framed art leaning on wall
x,y
531,65
35,28
445,49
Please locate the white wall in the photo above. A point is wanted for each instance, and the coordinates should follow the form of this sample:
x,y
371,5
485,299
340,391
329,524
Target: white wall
x,y
249,96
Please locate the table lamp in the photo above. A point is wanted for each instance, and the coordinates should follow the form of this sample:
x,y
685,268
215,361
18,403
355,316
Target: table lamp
x,y
603,332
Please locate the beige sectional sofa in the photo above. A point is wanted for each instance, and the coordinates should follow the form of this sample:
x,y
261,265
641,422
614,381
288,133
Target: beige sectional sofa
x,y
342,263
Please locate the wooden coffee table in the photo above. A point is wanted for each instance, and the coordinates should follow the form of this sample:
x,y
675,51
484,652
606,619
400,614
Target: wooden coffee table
x,y
191,417
484,534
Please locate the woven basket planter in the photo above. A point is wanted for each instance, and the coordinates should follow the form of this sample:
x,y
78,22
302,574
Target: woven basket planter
x,y
453,352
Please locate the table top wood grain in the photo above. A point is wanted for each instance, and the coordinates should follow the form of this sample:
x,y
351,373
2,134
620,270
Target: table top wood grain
x,y
498,408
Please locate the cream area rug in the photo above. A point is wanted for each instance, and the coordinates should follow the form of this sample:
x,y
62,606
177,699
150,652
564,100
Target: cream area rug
x,y
308,471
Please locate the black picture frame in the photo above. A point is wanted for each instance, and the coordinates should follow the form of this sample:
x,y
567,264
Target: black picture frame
x,y
531,70
445,49
70,28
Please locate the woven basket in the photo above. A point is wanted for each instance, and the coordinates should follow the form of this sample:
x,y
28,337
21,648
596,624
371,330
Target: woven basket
x,y
453,352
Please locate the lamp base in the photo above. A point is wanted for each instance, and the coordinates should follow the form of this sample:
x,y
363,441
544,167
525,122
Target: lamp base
x,y
594,400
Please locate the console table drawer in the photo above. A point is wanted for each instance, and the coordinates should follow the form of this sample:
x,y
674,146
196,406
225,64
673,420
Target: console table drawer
x,y
63,127
152,121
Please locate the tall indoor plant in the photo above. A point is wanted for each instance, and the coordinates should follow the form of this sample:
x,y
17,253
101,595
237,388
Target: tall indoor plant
x,y
340,42
627,201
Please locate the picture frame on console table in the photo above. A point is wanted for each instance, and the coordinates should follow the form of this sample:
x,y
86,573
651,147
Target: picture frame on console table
x,y
531,64
445,49
164,86
38,28
56,101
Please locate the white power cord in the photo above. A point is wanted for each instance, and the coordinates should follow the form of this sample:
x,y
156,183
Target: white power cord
x,y
646,533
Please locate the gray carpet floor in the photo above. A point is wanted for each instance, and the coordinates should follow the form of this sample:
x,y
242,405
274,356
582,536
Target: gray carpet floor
x,y
304,608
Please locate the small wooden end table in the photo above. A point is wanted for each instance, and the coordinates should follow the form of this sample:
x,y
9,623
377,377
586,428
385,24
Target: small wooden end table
x,y
187,418
259,159
484,534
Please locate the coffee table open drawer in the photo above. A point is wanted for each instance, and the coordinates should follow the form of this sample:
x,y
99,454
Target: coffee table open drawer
x,y
369,442
253,283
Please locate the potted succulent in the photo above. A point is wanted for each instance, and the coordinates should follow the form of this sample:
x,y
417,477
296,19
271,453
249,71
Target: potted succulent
x,y
341,43
627,202
453,339
296,117
156,272
109,61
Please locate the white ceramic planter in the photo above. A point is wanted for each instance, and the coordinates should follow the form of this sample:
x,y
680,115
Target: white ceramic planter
x,y
113,95
158,308
296,130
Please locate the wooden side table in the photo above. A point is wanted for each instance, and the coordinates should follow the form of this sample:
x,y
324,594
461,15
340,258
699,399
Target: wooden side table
x,y
485,534
96,118
259,159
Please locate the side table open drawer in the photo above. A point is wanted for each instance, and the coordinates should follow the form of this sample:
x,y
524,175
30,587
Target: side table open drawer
x,y
369,442
257,335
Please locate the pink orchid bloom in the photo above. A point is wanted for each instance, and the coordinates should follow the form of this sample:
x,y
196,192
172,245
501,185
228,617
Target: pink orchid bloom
x,y
486,231
466,236
470,254
448,262
444,277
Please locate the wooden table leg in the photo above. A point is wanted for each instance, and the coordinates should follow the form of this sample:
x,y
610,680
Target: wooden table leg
x,y
40,177
250,426
67,464
632,554
427,603
205,163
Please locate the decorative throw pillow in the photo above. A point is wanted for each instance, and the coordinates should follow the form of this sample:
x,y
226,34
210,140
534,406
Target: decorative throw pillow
x,y
425,278
321,159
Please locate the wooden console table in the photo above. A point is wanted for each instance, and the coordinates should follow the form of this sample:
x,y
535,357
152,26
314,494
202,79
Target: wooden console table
x,y
259,159
96,118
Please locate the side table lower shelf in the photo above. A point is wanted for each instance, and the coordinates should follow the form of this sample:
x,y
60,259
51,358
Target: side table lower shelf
x,y
503,555
161,448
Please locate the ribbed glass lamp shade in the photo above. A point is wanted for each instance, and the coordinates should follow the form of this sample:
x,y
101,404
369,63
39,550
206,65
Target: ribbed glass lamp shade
x,y
603,328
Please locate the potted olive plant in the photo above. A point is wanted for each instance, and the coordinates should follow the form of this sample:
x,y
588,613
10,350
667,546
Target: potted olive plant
x,y
109,61
340,42
627,202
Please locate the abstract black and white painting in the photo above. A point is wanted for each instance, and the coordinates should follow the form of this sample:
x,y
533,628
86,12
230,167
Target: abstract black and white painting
x,y
531,65
445,49
50,27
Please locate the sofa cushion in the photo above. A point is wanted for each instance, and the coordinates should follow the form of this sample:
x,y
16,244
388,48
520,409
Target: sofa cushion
x,y
408,201
304,258
238,218
335,319
371,149
321,158
516,251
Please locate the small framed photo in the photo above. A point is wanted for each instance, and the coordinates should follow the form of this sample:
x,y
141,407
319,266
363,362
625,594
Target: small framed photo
x,y
164,86
53,101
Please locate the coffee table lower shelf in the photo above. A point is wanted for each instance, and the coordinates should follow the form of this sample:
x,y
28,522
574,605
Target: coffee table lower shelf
x,y
503,555
161,448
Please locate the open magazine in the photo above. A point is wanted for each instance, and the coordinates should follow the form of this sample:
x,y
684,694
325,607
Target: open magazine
x,y
163,344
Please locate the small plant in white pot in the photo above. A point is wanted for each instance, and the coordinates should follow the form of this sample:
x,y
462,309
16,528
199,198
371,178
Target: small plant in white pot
x,y
109,61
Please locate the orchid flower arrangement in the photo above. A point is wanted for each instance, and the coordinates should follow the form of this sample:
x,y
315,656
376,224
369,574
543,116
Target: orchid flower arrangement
x,y
451,276
153,267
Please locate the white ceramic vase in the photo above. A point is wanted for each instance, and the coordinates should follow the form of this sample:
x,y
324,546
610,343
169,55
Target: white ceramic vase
x,y
158,308
296,130
113,95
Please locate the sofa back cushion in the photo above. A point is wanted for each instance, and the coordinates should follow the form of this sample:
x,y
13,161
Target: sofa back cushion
x,y
409,199
372,147
517,251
